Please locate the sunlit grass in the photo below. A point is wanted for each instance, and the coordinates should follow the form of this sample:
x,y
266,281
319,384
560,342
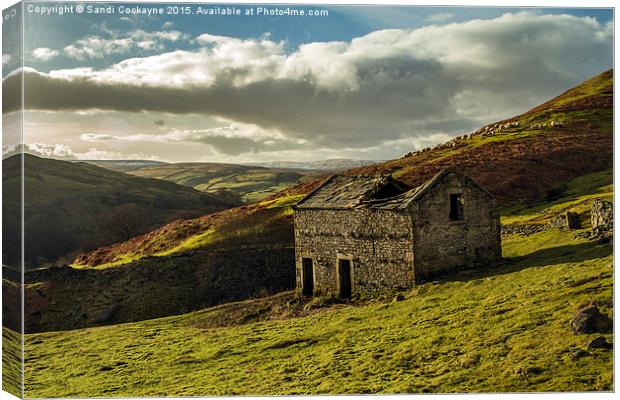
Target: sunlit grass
x,y
507,329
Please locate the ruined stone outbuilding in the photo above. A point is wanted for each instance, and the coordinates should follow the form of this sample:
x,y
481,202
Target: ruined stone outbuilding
x,y
358,234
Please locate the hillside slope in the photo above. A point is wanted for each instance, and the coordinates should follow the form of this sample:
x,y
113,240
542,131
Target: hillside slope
x,y
76,206
500,330
219,264
521,158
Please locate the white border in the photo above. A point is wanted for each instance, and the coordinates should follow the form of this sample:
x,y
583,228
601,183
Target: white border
x,y
483,3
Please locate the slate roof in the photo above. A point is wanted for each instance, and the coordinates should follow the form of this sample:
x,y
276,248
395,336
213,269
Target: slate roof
x,y
342,192
348,192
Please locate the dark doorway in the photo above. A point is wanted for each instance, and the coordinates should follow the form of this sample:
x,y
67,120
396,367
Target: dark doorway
x,y
344,274
307,276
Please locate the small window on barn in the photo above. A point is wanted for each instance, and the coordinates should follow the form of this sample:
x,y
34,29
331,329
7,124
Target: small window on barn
x,y
456,207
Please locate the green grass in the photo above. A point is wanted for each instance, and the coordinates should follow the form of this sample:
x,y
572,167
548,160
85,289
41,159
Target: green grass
x,y
11,362
285,203
577,197
191,243
500,330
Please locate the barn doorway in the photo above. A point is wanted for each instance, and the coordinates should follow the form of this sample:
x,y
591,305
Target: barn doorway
x,y
307,276
344,278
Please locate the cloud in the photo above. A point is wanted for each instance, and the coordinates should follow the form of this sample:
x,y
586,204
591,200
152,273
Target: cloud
x,y
9,149
230,138
50,150
94,137
387,86
160,122
44,54
95,154
6,59
167,25
439,17
64,152
115,42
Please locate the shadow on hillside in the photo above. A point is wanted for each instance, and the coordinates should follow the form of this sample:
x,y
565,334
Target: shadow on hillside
x,y
555,255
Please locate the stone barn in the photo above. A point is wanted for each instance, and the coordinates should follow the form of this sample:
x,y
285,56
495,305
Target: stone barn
x,y
357,234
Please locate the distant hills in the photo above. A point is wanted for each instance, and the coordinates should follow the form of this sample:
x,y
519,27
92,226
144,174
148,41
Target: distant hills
x,y
244,183
123,165
76,207
323,165
247,183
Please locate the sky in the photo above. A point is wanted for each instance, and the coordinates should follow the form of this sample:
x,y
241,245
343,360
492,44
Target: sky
x,y
362,82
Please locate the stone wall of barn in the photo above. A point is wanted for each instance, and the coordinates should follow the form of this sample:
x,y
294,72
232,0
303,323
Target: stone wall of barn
x,y
443,245
377,242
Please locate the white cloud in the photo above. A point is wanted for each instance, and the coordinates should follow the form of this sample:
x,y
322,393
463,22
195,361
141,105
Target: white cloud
x,y
92,47
439,17
9,150
94,137
167,25
6,59
95,154
64,152
228,138
96,47
44,54
50,150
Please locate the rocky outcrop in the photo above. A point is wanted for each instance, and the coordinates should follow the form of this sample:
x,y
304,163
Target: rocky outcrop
x,y
600,342
589,319
602,217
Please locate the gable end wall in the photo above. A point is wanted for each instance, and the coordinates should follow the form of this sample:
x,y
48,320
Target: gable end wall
x,y
442,245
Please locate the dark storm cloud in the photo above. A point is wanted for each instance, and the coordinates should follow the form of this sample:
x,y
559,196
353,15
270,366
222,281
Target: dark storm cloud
x,y
293,106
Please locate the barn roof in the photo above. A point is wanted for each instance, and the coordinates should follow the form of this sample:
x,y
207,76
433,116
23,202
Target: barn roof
x,y
346,192
342,192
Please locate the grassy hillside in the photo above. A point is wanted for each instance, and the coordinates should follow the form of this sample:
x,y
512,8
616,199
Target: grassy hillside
x,y
501,329
75,207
